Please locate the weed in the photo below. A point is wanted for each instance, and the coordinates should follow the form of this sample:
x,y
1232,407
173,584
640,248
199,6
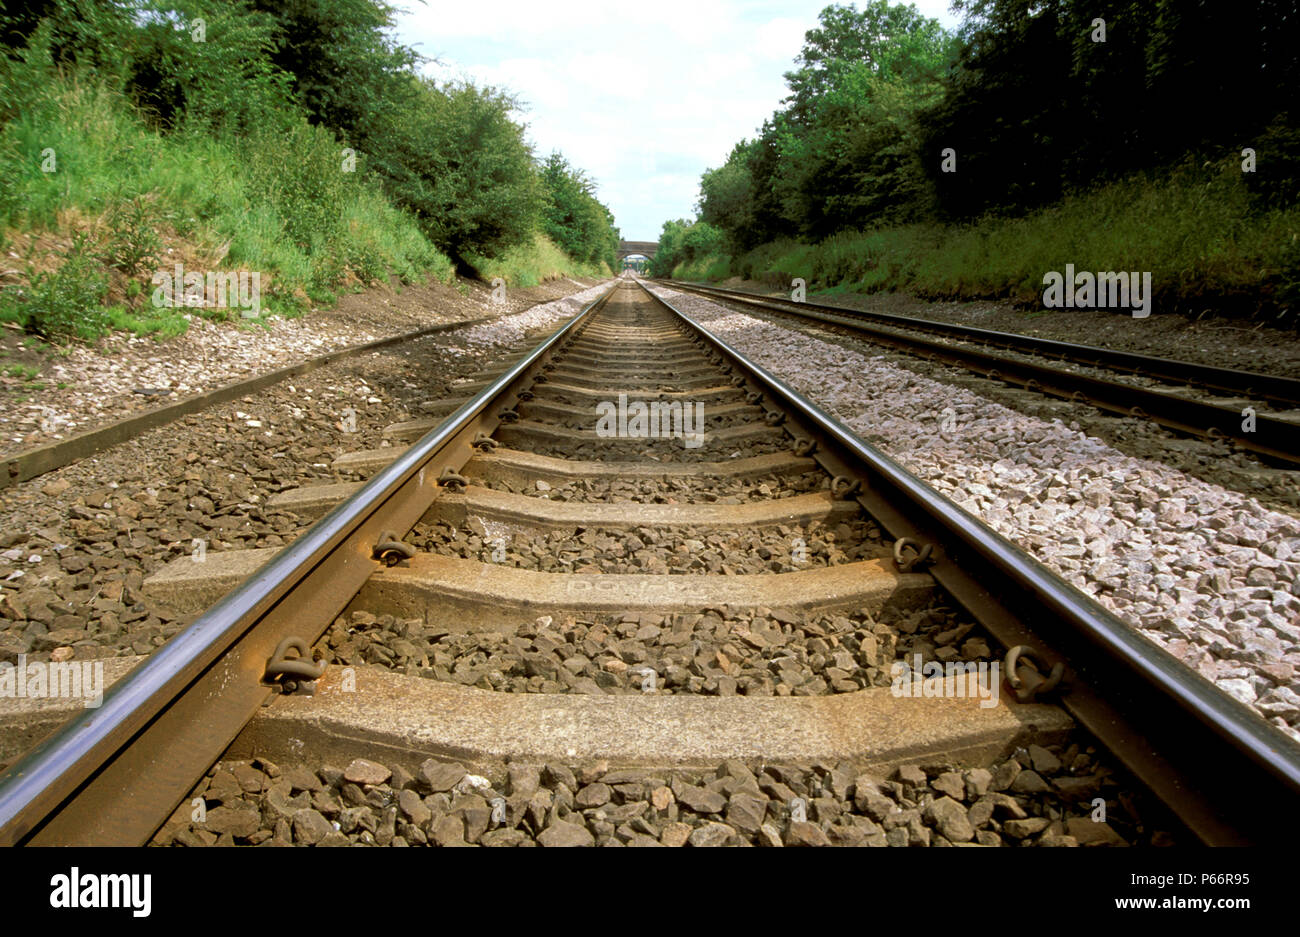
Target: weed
x,y
62,304
133,243
163,322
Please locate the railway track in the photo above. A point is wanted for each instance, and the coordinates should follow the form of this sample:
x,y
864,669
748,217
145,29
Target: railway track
x,y
735,588
1188,398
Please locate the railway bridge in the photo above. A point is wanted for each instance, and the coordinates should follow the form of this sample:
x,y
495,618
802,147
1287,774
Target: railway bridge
x,y
628,248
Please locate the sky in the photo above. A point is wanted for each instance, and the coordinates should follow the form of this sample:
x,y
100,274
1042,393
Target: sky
x,y
641,97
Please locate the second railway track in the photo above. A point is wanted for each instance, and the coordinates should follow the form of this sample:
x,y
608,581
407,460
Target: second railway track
x,y
1259,413
635,547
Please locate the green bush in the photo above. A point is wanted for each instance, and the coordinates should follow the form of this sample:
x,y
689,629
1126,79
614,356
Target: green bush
x,y
62,304
300,171
686,243
226,82
573,218
462,168
133,243
1275,183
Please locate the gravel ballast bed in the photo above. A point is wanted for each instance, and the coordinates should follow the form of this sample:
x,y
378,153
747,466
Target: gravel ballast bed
x,y
1206,573
78,542
663,450
708,489
721,652
1043,796
1216,461
1136,380
684,550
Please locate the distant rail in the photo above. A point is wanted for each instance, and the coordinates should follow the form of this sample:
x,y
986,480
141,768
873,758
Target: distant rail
x,y
1274,436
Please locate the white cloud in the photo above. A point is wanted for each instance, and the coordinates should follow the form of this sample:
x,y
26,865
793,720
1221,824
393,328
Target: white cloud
x,y
643,98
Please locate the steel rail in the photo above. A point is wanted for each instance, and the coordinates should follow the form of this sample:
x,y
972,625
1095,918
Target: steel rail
x,y
1193,746
113,775
1251,384
1272,438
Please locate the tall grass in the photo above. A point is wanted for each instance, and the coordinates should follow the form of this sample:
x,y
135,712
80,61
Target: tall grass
x,y
534,263
1193,229
277,202
709,267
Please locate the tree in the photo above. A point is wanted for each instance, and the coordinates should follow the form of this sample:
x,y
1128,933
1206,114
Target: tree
x,y
844,152
462,167
727,197
228,79
346,73
683,241
572,217
891,42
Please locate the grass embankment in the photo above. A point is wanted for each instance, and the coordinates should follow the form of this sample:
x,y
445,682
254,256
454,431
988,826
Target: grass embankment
x,y
531,264
1193,230
94,202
